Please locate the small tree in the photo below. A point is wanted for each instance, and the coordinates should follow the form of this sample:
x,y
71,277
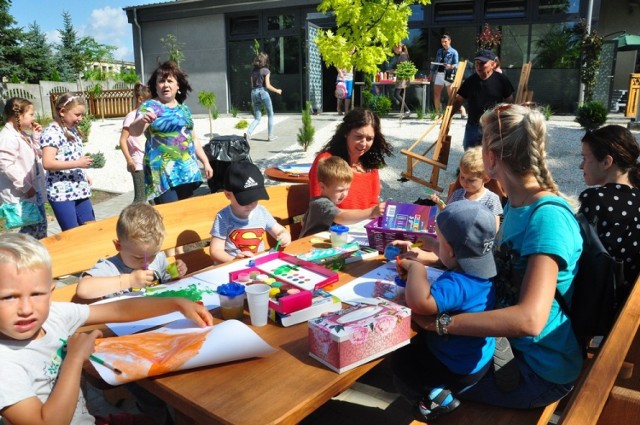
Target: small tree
x,y
174,47
591,47
208,100
307,131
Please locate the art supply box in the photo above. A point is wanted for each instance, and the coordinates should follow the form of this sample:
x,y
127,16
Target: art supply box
x,y
294,280
401,222
323,302
353,336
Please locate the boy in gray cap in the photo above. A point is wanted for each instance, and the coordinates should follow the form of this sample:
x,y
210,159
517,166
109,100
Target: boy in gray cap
x,y
466,231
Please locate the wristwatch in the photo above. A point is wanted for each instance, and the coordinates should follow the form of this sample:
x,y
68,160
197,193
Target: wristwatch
x,y
442,322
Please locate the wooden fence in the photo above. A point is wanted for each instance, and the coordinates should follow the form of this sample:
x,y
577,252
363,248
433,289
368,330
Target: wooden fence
x,y
110,103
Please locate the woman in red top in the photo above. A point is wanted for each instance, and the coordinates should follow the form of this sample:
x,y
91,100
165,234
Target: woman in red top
x,y
359,141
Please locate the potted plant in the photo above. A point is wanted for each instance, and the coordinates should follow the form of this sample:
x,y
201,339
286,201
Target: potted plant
x,y
405,71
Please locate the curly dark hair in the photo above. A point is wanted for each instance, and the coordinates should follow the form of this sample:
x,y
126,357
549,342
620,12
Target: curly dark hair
x,y
620,143
358,118
166,70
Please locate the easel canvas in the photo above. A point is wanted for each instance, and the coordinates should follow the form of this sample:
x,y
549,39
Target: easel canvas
x,y
440,148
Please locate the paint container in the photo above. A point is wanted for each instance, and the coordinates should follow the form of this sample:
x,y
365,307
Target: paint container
x,y
231,300
339,235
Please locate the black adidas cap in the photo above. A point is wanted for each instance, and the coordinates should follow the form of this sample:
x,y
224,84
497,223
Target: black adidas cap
x,y
245,181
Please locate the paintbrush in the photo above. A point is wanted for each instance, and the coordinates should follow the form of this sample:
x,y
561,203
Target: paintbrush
x,y
275,249
99,361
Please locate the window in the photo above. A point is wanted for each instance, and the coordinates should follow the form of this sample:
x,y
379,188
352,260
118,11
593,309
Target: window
x,y
551,7
240,25
447,10
505,8
280,22
417,13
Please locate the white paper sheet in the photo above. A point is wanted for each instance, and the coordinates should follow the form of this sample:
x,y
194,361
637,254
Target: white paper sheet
x,y
186,286
362,288
178,346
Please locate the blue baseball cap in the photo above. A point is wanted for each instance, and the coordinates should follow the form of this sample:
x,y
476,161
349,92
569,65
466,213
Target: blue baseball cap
x,y
470,228
485,55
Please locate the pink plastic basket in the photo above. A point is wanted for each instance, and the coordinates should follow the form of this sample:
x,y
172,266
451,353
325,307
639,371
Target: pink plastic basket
x,y
380,237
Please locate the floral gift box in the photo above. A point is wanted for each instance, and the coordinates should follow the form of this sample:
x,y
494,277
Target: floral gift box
x,y
353,336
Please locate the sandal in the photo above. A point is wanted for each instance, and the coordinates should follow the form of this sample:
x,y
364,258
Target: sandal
x,y
434,405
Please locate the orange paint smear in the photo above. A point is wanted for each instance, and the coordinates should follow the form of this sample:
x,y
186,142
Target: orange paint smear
x,y
164,352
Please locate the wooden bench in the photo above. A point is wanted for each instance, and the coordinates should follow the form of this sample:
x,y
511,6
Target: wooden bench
x,y
186,222
600,395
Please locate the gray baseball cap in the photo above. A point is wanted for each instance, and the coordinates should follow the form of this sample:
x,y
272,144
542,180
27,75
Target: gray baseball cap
x,y
470,228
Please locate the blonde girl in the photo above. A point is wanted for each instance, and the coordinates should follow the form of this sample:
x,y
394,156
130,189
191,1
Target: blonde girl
x,y
68,187
21,173
133,146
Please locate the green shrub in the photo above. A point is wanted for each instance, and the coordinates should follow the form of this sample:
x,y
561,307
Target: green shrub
x,y
419,113
380,104
242,124
547,112
591,115
234,111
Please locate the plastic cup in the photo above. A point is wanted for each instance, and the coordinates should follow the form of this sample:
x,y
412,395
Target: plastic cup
x,y
172,269
258,300
231,300
339,235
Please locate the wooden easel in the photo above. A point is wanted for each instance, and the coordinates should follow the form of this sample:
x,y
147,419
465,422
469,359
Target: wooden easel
x,y
523,94
440,157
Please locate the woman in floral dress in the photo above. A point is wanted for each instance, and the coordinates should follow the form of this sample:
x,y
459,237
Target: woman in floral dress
x,y
171,169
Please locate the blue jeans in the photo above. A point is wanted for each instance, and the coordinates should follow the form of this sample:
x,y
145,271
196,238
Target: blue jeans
x,y
532,392
472,136
72,214
261,97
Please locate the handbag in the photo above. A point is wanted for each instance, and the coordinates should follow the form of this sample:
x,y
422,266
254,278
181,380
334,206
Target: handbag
x,y
22,214
449,75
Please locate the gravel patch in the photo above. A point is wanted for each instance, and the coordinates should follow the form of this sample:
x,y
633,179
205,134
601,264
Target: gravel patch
x,y
563,153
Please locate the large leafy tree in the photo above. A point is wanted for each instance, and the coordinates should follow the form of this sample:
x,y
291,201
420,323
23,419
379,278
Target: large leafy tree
x,y
367,31
92,51
10,37
37,55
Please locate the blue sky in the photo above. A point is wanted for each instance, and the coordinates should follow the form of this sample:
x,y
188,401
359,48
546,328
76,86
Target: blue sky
x,y
104,20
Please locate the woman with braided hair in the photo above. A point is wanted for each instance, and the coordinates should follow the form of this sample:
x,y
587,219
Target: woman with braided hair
x,y
536,252
21,173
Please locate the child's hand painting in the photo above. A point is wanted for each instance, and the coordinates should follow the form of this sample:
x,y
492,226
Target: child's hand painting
x,y
284,238
141,278
196,312
81,345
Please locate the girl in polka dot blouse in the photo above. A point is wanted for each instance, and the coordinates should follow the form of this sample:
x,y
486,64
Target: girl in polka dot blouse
x,y
610,162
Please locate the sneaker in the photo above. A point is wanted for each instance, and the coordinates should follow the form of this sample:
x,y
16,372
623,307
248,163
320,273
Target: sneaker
x,y
272,138
439,402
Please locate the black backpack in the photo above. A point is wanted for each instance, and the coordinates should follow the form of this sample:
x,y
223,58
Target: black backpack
x,y
594,303
221,152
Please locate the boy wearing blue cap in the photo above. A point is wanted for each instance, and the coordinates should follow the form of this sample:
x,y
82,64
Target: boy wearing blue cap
x,y
466,231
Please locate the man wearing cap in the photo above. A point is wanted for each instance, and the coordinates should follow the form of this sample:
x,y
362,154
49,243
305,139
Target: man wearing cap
x,y
436,366
238,230
482,91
